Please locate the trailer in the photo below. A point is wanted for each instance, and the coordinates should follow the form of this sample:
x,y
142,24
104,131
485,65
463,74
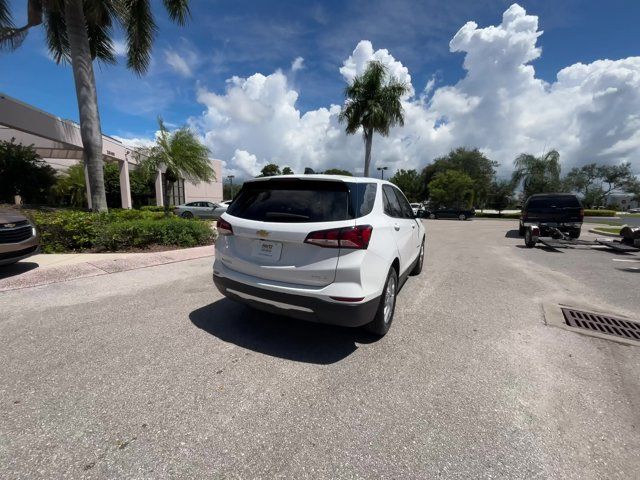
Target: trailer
x,y
558,239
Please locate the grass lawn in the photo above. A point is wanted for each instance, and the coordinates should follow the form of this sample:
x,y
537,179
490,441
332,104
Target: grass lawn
x,y
606,222
615,230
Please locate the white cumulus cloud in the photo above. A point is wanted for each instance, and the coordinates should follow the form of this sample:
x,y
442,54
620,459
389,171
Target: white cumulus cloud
x,y
589,113
297,64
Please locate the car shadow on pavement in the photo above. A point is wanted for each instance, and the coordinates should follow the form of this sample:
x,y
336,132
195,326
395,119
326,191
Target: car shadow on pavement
x,y
512,234
19,268
278,336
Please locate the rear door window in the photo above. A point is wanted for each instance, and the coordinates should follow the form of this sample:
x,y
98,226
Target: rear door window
x,y
362,196
407,212
391,205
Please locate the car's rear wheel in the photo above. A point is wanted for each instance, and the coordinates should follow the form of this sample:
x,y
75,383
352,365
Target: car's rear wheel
x,y
462,216
418,266
384,315
187,215
433,216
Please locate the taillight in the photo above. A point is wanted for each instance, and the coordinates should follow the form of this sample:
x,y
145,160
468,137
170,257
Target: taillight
x,y
224,227
347,237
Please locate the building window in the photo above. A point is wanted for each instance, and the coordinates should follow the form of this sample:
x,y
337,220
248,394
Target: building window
x,y
175,193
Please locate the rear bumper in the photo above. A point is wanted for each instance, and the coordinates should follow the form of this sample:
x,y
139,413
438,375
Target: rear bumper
x,y
558,225
298,306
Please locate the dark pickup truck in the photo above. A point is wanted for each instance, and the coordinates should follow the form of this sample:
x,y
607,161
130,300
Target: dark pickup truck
x,y
562,211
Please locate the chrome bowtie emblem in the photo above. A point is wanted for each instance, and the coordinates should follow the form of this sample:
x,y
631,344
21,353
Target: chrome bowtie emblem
x,y
262,233
9,225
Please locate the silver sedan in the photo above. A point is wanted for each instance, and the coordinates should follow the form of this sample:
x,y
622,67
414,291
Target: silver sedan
x,y
206,210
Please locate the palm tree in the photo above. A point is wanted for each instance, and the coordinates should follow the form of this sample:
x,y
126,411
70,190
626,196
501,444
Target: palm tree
x,y
181,155
373,103
537,174
78,32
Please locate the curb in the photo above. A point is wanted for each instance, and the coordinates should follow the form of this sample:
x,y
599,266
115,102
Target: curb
x,y
93,268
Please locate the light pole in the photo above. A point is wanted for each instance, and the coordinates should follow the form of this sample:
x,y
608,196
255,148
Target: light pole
x,y
231,177
382,169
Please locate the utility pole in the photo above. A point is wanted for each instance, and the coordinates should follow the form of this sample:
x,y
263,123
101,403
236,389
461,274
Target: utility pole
x,y
381,170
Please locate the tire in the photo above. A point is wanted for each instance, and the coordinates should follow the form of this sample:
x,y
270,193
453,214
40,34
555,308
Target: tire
x,y
417,268
187,215
433,216
462,217
382,322
521,230
529,240
575,233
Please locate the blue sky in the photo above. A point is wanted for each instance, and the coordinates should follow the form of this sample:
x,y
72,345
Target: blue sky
x,y
188,81
244,37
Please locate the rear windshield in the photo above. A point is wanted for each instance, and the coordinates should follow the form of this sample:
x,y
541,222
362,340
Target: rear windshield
x,y
296,200
568,201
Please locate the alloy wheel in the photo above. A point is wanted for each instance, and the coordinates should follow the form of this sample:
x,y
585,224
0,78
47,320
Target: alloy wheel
x,y
389,298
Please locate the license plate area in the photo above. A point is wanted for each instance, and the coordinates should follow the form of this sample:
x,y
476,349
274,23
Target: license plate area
x,y
267,250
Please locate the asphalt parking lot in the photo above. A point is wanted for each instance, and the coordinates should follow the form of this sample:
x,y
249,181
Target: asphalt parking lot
x,y
151,374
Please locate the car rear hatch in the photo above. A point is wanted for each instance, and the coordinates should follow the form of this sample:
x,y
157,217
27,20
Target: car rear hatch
x,y
270,221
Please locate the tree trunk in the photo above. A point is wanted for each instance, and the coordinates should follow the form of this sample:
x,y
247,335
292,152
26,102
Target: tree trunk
x,y
167,184
82,65
368,139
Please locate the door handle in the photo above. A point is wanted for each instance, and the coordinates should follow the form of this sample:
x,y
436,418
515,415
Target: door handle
x,y
397,227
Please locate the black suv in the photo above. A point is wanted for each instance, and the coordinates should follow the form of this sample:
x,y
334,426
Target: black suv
x,y
562,211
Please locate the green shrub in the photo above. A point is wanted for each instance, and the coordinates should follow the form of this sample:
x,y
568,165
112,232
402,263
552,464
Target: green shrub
x,y
599,213
152,208
125,214
66,230
143,233
72,230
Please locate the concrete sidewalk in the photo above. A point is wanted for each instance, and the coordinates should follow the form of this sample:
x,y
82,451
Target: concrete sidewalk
x,y
45,269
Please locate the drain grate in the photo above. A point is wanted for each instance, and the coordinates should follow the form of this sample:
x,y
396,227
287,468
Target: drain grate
x,y
605,324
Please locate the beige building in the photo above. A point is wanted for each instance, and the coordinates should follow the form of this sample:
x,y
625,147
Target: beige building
x,y
58,142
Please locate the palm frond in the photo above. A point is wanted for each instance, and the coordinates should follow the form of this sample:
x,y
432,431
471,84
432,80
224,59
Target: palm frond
x,y
100,41
178,10
140,27
373,101
179,152
6,20
12,37
56,28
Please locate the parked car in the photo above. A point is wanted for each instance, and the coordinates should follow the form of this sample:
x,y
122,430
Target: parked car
x,y
207,210
319,247
633,210
459,213
558,210
18,238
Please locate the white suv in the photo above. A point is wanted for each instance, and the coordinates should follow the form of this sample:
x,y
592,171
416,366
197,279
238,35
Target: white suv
x,y
324,248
